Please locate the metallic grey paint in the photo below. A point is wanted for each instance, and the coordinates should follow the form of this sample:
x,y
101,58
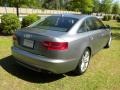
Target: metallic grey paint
x,y
64,60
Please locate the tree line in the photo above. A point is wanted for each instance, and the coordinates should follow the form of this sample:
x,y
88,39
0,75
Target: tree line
x,y
84,6
96,6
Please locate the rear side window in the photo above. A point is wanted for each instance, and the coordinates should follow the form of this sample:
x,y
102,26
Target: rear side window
x,y
57,23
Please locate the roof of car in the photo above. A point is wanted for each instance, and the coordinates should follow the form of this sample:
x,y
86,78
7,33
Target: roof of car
x,y
78,16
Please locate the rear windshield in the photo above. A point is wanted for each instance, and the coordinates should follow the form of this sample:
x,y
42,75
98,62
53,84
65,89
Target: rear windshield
x,y
57,23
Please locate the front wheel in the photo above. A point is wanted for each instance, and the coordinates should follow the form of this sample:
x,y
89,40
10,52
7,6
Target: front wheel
x,y
84,62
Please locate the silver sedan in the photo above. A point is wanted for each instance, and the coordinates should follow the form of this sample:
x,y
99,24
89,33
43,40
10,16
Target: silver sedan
x,y
60,43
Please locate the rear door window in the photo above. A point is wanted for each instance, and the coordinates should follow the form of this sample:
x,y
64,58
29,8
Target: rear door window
x,y
83,28
91,24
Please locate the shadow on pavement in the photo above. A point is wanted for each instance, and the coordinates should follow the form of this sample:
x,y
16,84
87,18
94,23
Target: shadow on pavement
x,y
10,65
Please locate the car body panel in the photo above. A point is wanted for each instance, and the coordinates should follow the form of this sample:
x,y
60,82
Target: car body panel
x,y
58,61
40,62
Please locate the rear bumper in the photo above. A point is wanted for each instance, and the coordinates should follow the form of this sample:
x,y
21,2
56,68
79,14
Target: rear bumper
x,y
40,62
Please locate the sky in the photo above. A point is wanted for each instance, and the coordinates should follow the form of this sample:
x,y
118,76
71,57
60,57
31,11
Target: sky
x,y
116,0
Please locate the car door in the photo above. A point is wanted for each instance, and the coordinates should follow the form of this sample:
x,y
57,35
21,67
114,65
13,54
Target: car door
x,y
104,33
95,40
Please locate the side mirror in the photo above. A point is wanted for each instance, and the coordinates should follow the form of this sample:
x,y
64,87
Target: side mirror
x,y
108,27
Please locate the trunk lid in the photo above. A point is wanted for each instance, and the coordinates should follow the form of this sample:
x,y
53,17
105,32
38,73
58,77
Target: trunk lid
x,y
30,39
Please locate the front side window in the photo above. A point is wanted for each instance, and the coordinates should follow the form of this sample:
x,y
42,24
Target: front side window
x,y
99,24
57,23
94,24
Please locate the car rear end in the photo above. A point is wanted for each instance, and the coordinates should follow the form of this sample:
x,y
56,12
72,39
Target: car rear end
x,y
43,49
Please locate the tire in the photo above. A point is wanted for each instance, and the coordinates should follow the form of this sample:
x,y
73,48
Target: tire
x,y
83,63
109,43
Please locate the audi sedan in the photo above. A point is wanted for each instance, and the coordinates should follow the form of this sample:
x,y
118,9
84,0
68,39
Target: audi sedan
x,y
60,43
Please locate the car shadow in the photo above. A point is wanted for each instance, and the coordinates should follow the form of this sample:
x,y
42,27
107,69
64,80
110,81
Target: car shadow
x,y
9,64
116,36
115,28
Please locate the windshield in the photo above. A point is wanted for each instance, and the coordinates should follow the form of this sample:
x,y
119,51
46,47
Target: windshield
x,y
57,23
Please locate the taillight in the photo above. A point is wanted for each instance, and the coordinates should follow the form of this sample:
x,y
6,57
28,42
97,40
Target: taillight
x,y
14,37
55,45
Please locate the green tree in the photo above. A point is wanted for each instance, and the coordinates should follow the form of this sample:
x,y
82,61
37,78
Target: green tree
x,y
52,4
73,5
87,6
106,6
116,8
48,4
96,8
27,3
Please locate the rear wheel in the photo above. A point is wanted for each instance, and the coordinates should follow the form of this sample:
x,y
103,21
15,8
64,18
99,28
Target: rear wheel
x,y
84,62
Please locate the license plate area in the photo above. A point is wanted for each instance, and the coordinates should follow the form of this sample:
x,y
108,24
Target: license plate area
x,y
28,43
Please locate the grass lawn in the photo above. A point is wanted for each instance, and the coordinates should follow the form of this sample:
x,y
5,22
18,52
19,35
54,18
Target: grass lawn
x,y
102,74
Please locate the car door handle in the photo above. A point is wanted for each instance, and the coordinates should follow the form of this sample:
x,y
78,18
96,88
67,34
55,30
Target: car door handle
x,y
102,34
91,38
